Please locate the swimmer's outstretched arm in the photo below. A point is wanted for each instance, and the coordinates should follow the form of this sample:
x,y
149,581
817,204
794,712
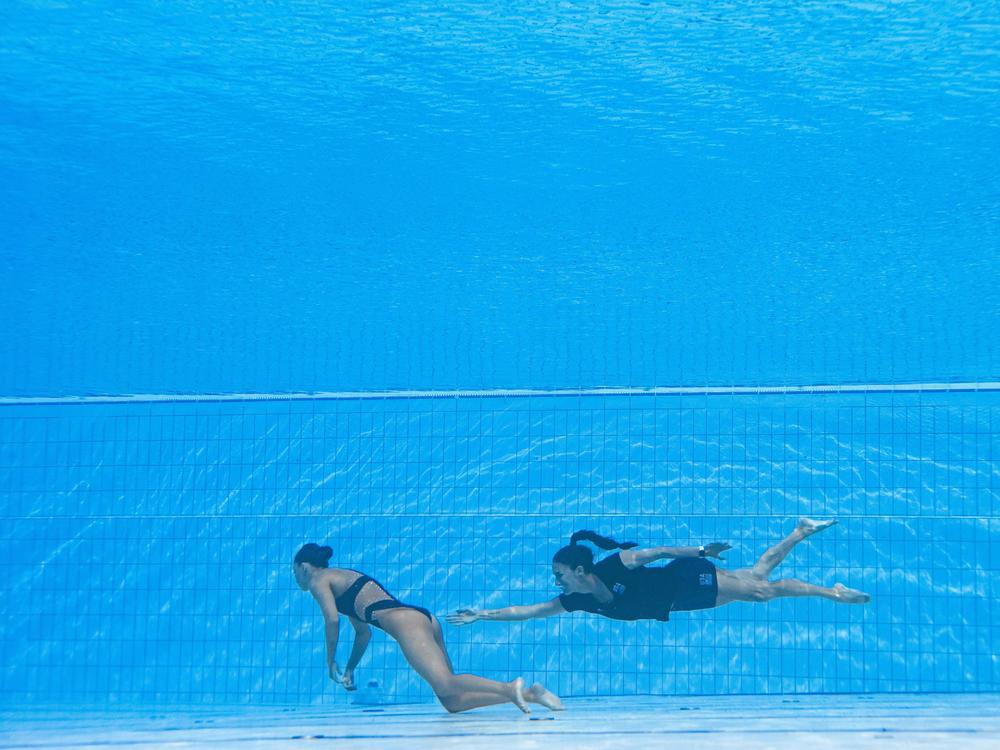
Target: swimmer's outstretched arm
x,y
526,612
636,558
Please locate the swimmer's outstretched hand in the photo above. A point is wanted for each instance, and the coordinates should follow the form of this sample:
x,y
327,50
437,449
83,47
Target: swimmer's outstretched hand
x,y
715,549
462,617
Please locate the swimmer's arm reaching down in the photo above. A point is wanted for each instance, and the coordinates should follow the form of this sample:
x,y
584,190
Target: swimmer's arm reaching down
x,y
362,636
328,605
526,612
636,558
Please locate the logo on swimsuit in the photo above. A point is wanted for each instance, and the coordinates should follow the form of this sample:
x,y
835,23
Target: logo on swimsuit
x,y
705,579
618,588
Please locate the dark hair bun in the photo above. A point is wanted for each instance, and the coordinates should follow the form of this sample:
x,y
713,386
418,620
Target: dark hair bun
x,y
314,555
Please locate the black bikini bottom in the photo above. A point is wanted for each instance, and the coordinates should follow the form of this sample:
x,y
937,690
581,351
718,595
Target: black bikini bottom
x,y
392,604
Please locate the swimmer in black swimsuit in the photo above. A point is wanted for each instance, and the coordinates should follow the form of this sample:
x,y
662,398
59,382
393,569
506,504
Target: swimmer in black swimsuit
x,y
365,602
622,588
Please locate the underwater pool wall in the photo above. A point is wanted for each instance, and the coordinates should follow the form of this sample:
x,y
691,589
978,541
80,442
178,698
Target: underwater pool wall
x,y
145,547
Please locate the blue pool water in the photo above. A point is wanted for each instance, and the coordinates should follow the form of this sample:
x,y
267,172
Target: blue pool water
x,y
213,197
473,202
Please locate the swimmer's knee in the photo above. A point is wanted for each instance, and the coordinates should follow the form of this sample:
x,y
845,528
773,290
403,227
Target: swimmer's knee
x,y
445,687
449,703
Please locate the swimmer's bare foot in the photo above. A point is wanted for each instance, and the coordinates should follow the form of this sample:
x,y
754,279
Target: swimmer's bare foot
x,y
518,698
850,596
538,694
808,527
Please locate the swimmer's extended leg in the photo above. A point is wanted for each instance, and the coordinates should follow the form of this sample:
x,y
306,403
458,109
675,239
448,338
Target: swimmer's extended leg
x,y
740,586
457,692
773,557
839,593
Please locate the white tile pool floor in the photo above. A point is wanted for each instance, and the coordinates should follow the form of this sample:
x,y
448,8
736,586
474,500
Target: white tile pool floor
x,y
716,722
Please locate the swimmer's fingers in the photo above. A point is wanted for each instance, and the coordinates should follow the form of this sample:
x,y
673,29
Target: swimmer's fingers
x,y
458,617
348,681
462,617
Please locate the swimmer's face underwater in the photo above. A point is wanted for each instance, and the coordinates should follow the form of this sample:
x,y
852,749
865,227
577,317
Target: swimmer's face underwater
x,y
568,579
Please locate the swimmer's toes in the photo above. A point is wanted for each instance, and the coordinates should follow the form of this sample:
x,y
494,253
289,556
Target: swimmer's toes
x,y
546,698
851,596
810,527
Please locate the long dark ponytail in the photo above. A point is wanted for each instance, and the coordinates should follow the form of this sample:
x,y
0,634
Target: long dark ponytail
x,y
576,555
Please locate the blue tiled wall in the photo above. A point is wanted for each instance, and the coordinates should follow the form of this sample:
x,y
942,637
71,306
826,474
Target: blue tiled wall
x,y
145,549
